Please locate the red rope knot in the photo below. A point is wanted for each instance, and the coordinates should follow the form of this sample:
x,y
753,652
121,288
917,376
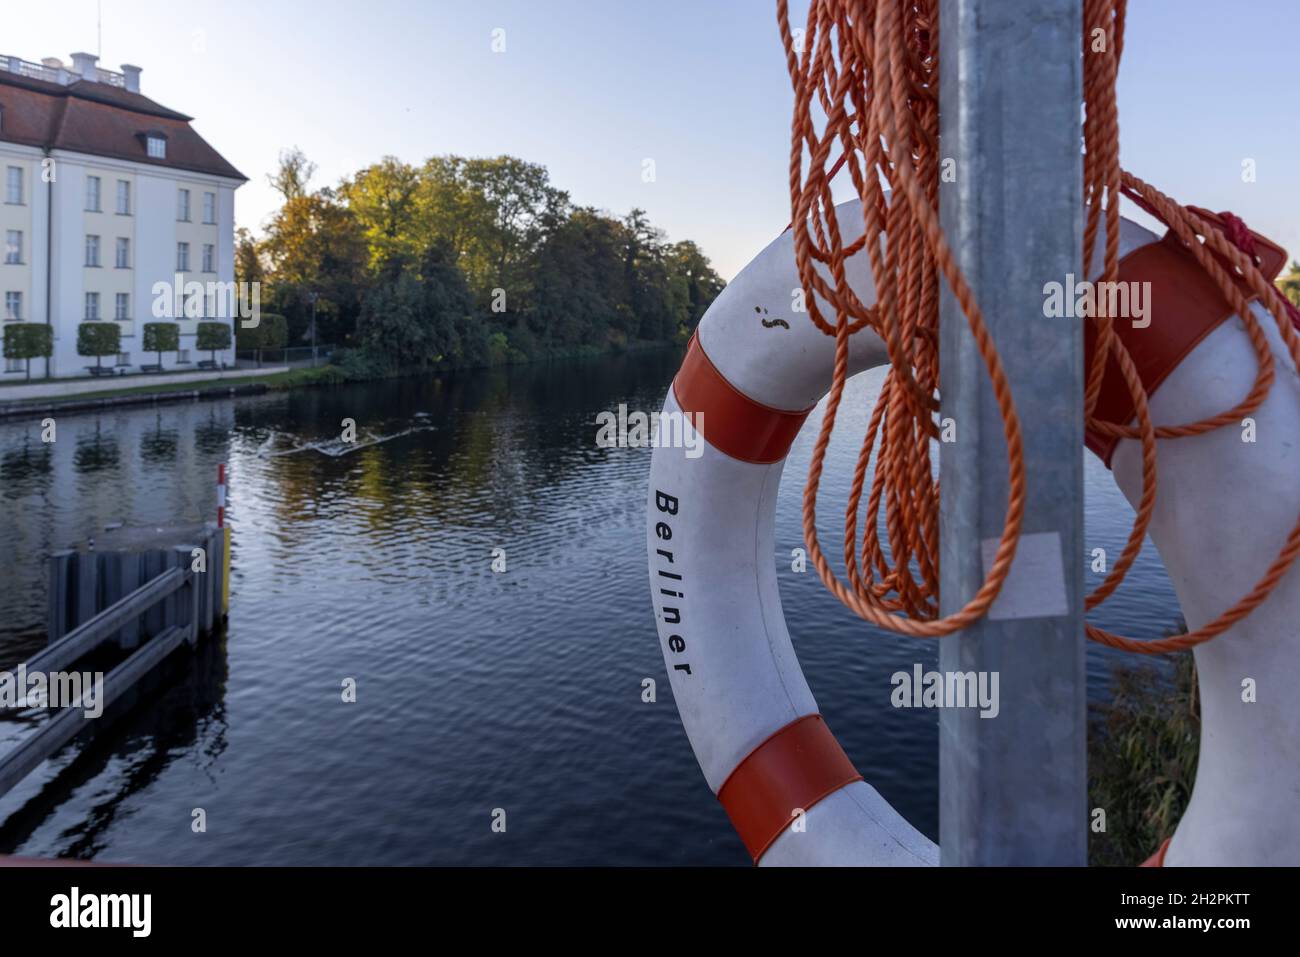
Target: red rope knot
x,y
1235,229
1239,234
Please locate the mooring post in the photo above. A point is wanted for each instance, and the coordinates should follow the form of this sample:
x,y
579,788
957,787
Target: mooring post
x,y
1013,786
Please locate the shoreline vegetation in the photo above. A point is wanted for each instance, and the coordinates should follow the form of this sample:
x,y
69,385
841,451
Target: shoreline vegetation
x,y
463,263
1143,747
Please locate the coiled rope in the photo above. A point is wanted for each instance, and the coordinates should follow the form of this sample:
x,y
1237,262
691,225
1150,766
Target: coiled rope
x,y
871,70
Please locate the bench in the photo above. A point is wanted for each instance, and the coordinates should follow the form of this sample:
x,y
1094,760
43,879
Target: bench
x,y
151,367
101,370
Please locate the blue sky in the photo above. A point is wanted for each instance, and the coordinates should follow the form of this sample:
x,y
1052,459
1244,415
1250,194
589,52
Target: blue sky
x,y
591,88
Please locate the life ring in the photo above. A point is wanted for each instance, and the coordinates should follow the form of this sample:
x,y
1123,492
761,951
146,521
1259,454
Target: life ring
x,y
755,369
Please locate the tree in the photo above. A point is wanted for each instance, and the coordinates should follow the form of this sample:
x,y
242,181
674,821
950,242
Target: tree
x,y
314,244
688,265
508,203
271,332
28,340
99,339
1290,283
294,172
415,317
577,279
385,199
213,337
161,337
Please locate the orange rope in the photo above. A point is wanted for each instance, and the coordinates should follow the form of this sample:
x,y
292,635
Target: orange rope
x,y
870,69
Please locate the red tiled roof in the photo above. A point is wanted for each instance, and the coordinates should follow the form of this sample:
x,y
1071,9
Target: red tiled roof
x,y
102,120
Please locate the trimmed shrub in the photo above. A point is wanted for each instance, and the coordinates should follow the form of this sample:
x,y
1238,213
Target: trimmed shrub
x,y
161,337
213,336
28,340
99,339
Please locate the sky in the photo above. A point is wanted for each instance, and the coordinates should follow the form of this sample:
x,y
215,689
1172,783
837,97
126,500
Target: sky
x,y
593,88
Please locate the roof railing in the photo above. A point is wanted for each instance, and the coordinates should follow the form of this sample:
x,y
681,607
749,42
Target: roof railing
x,y
60,75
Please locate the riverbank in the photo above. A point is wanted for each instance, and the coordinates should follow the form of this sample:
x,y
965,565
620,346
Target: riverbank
x,y
256,382
1143,746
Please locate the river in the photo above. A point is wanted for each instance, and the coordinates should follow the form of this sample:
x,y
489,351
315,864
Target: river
x,y
476,690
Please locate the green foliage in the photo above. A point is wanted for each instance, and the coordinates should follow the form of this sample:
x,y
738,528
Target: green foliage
x,y
466,262
271,332
213,337
1290,283
99,339
161,337
28,340
1142,754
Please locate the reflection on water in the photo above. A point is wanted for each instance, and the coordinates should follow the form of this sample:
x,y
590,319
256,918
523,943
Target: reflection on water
x,y
475,690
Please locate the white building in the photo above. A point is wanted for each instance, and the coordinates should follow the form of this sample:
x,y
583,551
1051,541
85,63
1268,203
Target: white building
x,y
105,194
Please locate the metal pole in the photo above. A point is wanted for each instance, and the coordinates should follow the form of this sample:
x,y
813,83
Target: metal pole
x,y
1013,788
313,330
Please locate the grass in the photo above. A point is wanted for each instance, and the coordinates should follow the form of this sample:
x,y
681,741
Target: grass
x,y
1142,752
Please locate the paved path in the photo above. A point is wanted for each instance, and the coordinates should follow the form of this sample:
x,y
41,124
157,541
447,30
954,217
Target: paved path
x,y
59,388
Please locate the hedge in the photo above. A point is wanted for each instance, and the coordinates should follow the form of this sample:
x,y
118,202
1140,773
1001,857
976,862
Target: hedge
x,y
28,340
213,336
99,339
161,337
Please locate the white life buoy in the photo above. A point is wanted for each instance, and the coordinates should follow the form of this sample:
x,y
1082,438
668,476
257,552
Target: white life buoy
x,y
753,372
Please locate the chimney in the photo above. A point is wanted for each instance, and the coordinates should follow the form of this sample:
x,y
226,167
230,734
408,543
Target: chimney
x,y
132,74
83,65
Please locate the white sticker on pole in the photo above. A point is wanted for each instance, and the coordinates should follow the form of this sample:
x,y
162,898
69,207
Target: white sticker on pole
x,y
1035,587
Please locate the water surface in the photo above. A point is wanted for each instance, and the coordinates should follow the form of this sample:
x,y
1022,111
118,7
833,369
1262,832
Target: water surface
x,y
475,690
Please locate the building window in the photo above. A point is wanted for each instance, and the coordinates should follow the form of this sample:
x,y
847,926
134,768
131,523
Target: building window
x,y
182,355
92,306
123,253
14,185
14,247
156,147
182,257
183,205
92,250
14,365
124,358
92,194
209,257
14,305
122,306
193,305
210,208
123,197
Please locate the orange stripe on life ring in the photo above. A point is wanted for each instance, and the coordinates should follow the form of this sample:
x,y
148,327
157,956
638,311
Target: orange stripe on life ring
x,y
793,769
729,420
